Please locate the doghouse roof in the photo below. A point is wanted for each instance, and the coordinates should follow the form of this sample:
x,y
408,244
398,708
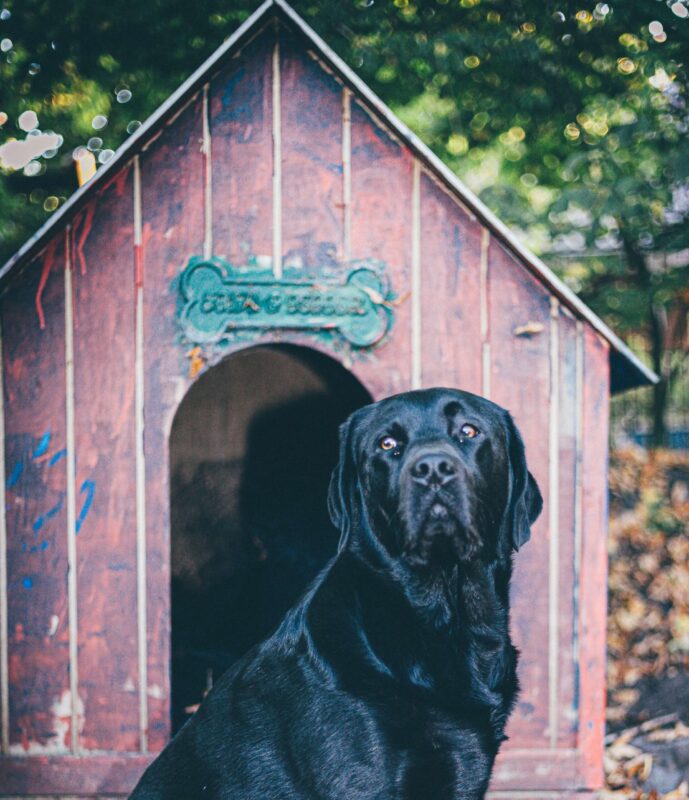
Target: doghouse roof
x,y
626,370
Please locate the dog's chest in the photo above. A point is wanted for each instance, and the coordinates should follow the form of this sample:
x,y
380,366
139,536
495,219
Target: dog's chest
x,y
443,757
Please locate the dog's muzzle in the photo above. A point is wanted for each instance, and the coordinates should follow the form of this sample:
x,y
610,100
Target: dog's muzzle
x,y
433,505
434,468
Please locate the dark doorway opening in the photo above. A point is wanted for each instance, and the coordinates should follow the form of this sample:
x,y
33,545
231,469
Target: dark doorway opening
x,y
252,447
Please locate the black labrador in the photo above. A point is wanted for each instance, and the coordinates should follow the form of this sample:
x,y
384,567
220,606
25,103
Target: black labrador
x,y
394,676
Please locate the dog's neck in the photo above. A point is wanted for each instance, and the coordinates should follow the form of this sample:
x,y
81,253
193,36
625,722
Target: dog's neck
x,y
473,593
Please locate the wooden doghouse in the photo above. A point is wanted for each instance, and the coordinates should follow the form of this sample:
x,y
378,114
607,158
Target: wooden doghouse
x,y
271,249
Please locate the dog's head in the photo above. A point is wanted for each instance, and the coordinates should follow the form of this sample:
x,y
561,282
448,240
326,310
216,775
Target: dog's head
x,y
434,477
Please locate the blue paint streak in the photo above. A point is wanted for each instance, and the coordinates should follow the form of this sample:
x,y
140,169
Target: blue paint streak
x,y
40,521
44,545
42,446
27,583
60,454
54,510
89,487
15,475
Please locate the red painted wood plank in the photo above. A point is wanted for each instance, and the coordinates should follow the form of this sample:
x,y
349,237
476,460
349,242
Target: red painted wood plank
x,y
450,291
381,230
594,562
312,187
241,121
520,381
104,330
172,178
33,330
567,417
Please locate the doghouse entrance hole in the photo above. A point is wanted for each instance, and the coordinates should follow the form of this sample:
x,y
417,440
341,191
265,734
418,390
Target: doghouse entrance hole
x,y
252,447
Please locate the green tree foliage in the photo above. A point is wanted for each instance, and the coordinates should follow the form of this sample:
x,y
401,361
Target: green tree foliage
x,y
569,119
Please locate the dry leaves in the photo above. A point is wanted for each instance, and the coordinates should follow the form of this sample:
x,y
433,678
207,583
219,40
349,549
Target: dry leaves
x,y
648,619
628,764
648,622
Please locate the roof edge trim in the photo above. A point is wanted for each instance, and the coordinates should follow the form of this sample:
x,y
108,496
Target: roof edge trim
x,y
468,197
421,150
138,138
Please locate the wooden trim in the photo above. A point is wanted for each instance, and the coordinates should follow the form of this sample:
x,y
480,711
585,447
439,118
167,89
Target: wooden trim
x,y
593,576
208,178
542,796
483,301
518,774
578,504
416,366
71,495
347,171
4,641
277,163
535,770
141,583
554,524
76,776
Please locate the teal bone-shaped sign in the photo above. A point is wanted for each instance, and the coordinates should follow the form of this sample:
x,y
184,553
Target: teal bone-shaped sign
x,y
218,300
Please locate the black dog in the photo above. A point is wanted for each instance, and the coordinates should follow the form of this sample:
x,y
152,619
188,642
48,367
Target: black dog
x,y
393,678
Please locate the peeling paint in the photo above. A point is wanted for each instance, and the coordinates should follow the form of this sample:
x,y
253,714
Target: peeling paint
x,y
54,622
58,742
86,221
48,263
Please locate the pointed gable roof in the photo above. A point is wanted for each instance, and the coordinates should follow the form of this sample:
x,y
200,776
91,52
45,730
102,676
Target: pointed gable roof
x,y
626,370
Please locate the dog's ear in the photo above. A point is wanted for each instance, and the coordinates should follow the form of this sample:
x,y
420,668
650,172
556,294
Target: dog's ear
x,y
524,502
341,491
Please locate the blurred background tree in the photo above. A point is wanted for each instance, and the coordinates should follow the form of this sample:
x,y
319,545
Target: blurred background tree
x,y
569,120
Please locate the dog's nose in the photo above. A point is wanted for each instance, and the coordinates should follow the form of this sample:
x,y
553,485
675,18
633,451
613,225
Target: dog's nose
x,y
434,469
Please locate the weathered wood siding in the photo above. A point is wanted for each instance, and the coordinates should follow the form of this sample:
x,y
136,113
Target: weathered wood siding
x,y
32,316
272,162
102,244
171,167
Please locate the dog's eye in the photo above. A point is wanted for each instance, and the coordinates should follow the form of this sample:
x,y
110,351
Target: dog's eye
x,y
469,431
388,443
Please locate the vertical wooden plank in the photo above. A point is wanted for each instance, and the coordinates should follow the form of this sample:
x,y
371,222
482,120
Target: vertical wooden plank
x,y
241,131
416,298
312,185
4,656
567,399
276,97
381,170
172,179
104,379
71,501
519,310
593,577
33,327
554,710
450,258
484,314
141,572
